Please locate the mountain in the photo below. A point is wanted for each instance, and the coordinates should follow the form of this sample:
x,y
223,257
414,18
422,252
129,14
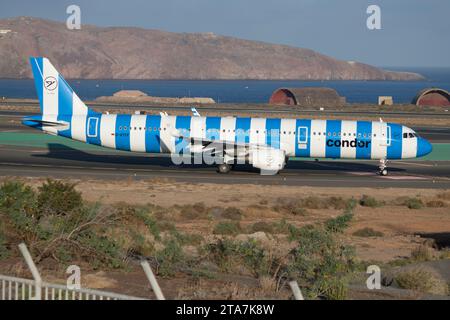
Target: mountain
x,y
133,53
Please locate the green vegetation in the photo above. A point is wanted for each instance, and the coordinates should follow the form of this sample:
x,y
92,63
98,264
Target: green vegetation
x,y
261,226
228,228
367,232
58,225
413,203
368,201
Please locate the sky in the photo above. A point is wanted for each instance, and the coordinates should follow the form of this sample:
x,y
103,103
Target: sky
x,y
414,33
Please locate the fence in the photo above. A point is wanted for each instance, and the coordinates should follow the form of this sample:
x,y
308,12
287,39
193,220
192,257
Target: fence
x,y
12,288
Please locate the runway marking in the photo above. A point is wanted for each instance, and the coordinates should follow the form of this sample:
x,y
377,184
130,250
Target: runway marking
x,y
416,164
404,178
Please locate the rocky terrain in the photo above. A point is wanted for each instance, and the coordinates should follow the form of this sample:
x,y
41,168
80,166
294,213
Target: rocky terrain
x,y
132,53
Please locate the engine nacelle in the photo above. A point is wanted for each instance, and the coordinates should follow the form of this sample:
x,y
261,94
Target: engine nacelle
x,y
269,160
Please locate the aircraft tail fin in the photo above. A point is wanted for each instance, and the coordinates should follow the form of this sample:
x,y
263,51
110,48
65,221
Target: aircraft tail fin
x,y
56,97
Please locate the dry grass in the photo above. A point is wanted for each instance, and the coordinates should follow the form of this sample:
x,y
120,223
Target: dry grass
x,y
421,280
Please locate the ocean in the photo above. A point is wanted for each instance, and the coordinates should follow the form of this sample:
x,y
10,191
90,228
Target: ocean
x,y
243,91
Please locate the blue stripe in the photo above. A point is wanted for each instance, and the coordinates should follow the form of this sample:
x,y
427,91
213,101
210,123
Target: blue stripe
x,y
65,105
363,128
123,135
213,128
302,149
243,130
152,136
394,151
37,68
273,132
333,130
183,125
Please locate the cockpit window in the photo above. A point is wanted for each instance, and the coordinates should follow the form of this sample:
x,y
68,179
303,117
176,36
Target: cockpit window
x,y
408,135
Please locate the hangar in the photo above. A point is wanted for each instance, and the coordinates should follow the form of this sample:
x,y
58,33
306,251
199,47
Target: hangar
x,y
432,97
306,97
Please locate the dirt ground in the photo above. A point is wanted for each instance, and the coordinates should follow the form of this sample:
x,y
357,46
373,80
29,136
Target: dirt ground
x,y
400,225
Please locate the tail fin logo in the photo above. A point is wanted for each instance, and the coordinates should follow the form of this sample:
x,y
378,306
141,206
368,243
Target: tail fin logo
x,y
51,83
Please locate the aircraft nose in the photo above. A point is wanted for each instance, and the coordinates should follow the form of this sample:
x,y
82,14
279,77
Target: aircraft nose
x,y
423,147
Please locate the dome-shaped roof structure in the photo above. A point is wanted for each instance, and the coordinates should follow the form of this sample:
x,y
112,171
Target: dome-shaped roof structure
x,y
432,97
306,97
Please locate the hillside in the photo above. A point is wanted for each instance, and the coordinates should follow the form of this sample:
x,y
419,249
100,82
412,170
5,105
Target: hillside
x,y
133,53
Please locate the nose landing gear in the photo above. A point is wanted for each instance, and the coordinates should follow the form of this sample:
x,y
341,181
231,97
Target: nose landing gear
x,y
223,168
382,168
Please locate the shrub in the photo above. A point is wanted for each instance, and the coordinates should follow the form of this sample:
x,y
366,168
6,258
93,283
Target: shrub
x,y
338,203
290,206
420,280
228,254
339,224
229,228
169,257
435,204
58,198
232,213
367,232
4,253
413,203
331,289
367,201
261,226
195,211
314,203
421,253
321,256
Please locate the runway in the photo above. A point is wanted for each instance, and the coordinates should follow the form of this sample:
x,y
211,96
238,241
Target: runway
x,y
27,152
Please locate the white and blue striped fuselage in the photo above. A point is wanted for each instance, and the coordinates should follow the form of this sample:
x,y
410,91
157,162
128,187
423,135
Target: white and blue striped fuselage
x,y
296,137
265,143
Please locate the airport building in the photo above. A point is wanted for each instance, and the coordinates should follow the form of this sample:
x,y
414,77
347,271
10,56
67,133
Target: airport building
x,y
434,97
307,97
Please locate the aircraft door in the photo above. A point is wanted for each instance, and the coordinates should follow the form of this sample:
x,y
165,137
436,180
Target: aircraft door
x,y
385,134
302,137
92,128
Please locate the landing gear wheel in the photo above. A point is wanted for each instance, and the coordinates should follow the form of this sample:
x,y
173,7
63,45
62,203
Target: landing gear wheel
x,y
382,169
223,168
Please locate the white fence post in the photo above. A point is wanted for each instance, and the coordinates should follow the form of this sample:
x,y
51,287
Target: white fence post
x,y
153,282
296,290
34,271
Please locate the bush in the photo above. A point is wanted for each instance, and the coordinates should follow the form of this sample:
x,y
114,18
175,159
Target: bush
x,y
338,203
367,201
321,255
232,213
261,226
290,206
57,198
228,228
228,254
413,203
331,289
367,232
169,257
314,203
192,212
421,253
435,204
420,280
339,224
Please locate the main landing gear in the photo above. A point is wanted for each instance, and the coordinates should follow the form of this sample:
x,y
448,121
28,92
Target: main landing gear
x,y
223,168
382,168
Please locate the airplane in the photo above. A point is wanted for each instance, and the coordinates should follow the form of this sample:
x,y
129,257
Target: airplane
x,y
265,143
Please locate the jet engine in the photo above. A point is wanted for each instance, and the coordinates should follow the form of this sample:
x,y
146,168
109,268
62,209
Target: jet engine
x,y
270,161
